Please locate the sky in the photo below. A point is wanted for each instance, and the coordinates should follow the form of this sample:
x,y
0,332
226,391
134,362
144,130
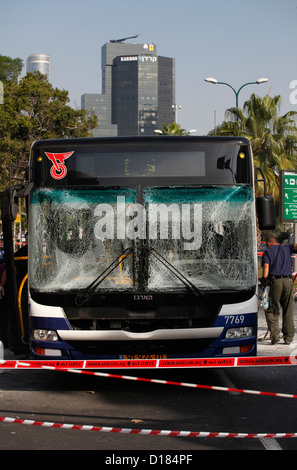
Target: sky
x,y
234,41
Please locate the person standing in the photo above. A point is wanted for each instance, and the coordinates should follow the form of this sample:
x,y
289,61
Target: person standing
x,y
21,265
277,266
2,278
3,305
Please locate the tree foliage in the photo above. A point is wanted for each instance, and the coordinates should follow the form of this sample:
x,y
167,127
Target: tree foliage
x,y
33,109
173,129
10,69
273,137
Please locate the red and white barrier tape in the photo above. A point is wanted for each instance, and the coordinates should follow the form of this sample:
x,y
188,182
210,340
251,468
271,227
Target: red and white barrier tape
x,y
155,363
168,382
61,367
83,427
181,384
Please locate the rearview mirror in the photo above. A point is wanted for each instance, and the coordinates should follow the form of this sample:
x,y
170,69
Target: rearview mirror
x,y
266,212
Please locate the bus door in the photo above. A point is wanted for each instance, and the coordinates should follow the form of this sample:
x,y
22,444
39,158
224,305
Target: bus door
x,y
17,330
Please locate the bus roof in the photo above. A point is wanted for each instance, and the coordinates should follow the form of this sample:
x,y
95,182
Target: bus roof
x,y
149,139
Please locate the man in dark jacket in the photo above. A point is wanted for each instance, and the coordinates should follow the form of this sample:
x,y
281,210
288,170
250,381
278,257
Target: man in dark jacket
x,y
277,265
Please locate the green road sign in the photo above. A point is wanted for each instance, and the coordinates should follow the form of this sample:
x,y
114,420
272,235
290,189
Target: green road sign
x,y
288,196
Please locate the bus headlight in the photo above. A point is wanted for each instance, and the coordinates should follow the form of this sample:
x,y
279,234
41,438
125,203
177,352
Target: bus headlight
x,y
241,332
45,335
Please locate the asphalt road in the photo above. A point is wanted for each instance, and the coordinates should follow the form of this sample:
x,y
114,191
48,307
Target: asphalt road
x,y
64,397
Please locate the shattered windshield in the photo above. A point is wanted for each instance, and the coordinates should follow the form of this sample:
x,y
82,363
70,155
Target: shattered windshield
x,y
204,233
66,249
210,239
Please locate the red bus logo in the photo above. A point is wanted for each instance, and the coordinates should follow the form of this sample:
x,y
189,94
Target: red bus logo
x,y
58,170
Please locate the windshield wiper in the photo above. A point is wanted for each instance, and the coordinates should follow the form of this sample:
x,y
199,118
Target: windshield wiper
x,y
194,289
84,296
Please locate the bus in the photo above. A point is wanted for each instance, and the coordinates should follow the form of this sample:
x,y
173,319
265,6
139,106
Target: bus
x,y
143,247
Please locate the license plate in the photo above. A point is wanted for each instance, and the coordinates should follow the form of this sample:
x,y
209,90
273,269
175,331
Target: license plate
x,y
144,356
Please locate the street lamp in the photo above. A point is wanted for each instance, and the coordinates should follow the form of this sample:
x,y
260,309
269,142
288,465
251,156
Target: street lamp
x,y
191,131
215,82
176,107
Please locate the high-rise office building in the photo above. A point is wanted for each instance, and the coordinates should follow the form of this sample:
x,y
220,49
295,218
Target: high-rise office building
x,y
39,62
138,90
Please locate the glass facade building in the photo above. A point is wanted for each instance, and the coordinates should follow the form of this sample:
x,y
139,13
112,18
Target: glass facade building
x,y
138,90
39,63
99,104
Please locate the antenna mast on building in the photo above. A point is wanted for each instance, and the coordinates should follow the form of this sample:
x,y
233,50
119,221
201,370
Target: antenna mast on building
x,y
124,39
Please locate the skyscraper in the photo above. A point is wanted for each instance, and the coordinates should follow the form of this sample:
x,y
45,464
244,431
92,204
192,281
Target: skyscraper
x,y
138,90
39,62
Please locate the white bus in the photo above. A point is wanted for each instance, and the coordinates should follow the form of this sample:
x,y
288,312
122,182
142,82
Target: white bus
x,y
143,247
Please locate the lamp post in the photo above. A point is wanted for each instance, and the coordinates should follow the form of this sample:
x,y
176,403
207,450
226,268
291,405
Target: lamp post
x,y
191,131
176,107
215,82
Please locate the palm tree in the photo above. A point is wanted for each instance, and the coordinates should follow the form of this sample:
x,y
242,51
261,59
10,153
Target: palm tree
x,y
273,138
173,129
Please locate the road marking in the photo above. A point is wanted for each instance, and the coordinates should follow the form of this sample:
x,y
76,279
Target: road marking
x,y
269,443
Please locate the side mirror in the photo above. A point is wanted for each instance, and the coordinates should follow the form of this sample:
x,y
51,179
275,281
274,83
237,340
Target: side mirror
x,y
266,212
265,206
25,189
